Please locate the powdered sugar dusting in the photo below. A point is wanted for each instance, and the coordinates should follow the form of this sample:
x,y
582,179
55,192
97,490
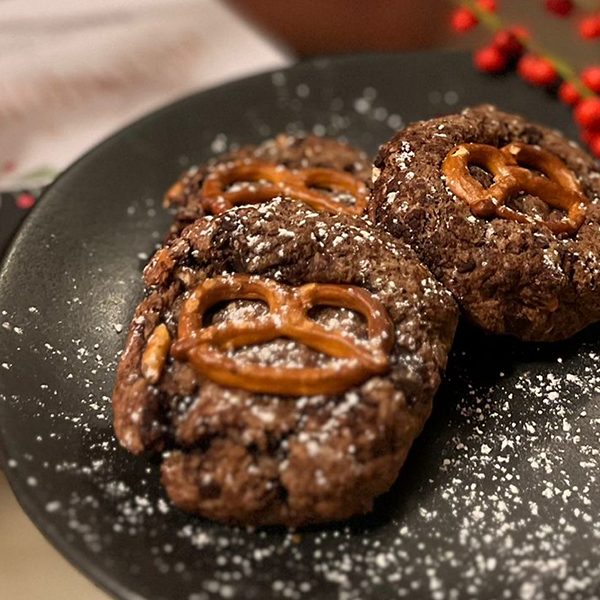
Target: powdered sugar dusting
x,y
499,499
500,492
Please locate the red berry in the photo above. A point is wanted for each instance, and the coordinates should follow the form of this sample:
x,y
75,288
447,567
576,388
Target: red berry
x,y
489,5
594,145
508,43
522,32
589,28
561,8
490,60
588,135
536,70
568,93
463,20
591,78
587,113
25,201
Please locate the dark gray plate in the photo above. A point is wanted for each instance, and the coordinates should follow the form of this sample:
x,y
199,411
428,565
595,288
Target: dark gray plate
x,y
500,497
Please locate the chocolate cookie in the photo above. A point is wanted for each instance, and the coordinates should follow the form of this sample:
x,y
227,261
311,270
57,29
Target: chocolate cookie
x,y
291,152
284,360
506,215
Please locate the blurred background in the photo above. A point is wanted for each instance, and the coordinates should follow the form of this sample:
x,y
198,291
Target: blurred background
x,y
72,72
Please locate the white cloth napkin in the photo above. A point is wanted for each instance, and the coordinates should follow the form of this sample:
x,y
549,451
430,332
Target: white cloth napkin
x,y
73,72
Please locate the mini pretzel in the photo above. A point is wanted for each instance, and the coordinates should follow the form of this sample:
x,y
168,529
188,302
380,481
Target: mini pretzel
x,y
288,318
510,167
271,180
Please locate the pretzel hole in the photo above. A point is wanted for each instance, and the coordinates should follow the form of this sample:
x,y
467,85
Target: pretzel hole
x,y
340,319
531,164
343,197
481,175
281,352
322,189
234,310
324,186
534,207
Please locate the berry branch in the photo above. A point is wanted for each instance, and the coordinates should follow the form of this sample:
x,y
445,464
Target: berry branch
x,y
514,46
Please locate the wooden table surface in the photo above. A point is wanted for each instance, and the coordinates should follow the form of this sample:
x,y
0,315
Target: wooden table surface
x,y
30,568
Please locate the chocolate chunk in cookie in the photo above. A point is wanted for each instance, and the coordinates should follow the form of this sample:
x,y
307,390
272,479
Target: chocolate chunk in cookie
x,y
506,215
284,360
331,174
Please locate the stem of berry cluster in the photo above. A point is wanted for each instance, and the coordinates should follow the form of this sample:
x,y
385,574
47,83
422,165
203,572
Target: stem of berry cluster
x,y
493,22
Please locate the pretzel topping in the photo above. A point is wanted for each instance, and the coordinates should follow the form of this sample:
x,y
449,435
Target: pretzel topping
x,y
510,167
271,180
205,346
